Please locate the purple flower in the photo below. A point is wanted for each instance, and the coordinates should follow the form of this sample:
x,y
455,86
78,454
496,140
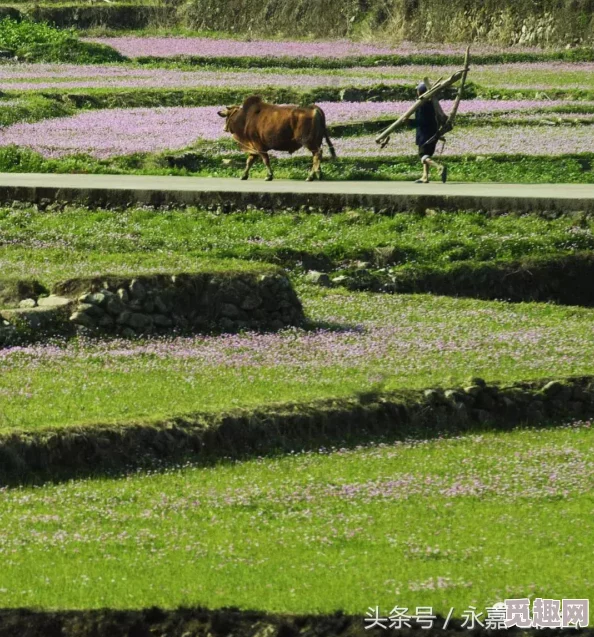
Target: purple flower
x,y
133,46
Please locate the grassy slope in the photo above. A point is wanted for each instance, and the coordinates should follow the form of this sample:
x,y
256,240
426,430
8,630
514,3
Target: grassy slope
x,y
492,22
42,42
292,557
32,108
57,245
204,160
467,521
390,341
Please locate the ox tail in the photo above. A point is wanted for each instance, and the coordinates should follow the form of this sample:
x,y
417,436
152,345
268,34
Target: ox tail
x,y
321,119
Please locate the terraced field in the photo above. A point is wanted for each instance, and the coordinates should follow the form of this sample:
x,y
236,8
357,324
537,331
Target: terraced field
x,y
353,346
291,412
317,531
164,96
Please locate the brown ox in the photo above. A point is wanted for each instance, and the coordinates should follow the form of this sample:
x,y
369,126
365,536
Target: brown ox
x,y
260,127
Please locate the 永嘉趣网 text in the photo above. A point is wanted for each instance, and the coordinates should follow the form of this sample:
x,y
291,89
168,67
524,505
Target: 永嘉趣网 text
x,y
512,613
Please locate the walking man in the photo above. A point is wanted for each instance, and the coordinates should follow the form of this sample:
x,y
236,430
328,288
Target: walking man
x,y
427,127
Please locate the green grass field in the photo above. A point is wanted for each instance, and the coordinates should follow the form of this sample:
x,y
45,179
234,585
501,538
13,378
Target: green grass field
x,y
358,342
54,245
458,522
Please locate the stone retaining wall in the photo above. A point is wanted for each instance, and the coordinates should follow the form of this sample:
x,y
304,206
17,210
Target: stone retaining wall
x,y
143,305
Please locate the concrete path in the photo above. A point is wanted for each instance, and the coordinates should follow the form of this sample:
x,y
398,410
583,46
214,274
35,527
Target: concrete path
x,y
331,195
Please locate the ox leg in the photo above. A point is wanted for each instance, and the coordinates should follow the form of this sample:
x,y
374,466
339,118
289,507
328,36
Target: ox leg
x,y
266,160
316,169
248,164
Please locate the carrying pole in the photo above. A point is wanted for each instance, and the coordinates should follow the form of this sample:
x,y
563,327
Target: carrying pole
x,y
449,124
440,85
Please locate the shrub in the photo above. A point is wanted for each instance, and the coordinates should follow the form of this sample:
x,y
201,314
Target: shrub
x,y
41,42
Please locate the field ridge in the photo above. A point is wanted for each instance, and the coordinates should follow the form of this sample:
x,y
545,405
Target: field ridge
x,y
66,452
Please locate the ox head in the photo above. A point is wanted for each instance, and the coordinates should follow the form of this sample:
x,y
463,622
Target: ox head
x,y
228,114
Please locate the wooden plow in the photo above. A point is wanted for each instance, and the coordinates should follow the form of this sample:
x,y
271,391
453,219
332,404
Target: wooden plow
x,y
446,123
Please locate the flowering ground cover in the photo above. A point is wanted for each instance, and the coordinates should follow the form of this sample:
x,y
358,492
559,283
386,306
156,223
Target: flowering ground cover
x,y
542,75
112,132
484,140
356,343
193,122
443,523
139,46
66,76
115,132
344,112
545,75
322,54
